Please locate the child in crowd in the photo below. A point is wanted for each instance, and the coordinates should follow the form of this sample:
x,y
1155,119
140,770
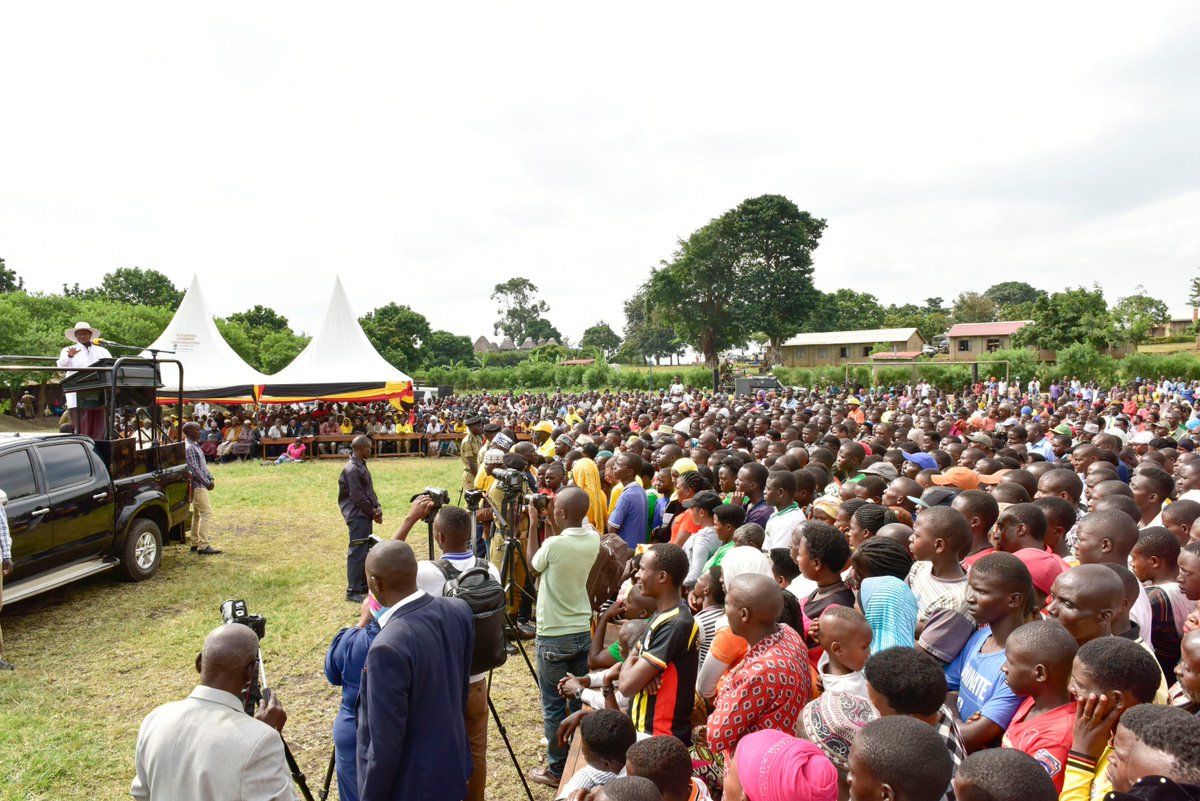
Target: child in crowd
x,y
1155,741
1179,517
784,569
1186,692
822,552
1002,775
665,761
998,600
937,578
1039,658
845,640
1155,562
1109,676
898,759
726,521
607,735
707,600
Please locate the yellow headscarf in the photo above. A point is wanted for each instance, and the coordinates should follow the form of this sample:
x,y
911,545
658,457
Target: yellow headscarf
x,y
586,476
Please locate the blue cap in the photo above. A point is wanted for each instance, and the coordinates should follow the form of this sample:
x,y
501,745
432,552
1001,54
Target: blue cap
x,y
926,461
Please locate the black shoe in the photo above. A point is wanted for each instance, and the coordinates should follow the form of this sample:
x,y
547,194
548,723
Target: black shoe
x,y
208,550
526,630
193,549
7,665
510,648
356,597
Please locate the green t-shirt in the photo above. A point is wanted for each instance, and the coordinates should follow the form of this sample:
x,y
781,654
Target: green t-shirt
x,y
564,562
716,558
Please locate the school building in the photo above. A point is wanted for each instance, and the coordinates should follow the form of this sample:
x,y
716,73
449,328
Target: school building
x,y
969,341
839,347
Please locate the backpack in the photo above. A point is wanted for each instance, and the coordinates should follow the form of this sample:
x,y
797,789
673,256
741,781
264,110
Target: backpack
x,y
608,571
484,595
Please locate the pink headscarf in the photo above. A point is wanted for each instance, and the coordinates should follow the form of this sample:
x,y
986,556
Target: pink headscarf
x,y
774,766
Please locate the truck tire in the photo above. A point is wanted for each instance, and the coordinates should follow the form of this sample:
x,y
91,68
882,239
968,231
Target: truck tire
x,y
142,552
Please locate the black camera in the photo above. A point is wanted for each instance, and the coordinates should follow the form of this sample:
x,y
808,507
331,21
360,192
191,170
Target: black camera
x,y
236,612
439,496
538,501
513,481
474,498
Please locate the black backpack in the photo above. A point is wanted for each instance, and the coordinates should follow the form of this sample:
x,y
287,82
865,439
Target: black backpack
x,y
488,603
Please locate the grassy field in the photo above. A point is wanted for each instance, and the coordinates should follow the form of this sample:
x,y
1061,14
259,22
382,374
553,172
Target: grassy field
x,y
93,658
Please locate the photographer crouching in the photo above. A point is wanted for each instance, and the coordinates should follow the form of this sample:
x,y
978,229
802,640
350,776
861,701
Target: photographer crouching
x,y
205,747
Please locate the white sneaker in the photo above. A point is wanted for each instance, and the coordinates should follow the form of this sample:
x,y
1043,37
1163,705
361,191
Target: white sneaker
x,y
544,743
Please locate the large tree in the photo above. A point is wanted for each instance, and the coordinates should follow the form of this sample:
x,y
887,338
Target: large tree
x,y
262,317
1013,293
648,334
846,310
1063,318
1135,315
972,307
1193,291
132,285
443,349
930,321
398,333
9,280
601,336
701,294
521,311
773,242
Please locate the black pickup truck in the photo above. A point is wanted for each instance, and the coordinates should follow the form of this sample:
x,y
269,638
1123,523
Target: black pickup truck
x,y
78,506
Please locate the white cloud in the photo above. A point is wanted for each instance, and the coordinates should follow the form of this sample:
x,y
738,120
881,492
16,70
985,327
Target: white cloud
x,y
428,153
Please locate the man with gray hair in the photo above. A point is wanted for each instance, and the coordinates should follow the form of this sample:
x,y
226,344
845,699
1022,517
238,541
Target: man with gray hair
x,y
205,747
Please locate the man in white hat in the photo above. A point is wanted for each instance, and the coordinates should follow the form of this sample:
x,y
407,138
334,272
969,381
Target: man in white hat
x,y
83,354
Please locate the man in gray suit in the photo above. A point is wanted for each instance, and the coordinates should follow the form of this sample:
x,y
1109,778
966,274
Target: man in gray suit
x,y
206,747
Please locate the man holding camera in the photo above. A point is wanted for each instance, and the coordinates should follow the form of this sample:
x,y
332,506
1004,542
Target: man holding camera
x,y
470,450
360,506
205,747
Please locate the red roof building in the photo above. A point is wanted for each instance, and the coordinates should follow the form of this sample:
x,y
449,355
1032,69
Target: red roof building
x,y
969,341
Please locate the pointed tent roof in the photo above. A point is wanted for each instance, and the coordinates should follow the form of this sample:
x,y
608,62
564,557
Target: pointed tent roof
x,y
339,363
212,370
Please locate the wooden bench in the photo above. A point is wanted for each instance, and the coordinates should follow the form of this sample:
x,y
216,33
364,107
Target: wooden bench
x,y
285,441
335,440
379,439
575,760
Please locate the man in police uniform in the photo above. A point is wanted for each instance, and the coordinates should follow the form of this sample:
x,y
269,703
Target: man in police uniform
x,y
470,450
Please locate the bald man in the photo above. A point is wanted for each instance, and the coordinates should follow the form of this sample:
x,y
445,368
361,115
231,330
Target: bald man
x,y
773,683
360,507
1084,600
412,735
206,746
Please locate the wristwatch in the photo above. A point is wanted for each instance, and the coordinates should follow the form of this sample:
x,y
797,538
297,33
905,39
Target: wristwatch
x,y
579,694
608,689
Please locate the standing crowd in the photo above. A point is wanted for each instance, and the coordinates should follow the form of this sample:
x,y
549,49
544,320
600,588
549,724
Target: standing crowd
x,y
903,594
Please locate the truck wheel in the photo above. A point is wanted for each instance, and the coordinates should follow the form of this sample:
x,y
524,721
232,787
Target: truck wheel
x,y
143,550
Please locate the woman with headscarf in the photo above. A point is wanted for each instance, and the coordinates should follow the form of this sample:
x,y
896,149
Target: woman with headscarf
x,y
770,765
880,566
586,476
344,664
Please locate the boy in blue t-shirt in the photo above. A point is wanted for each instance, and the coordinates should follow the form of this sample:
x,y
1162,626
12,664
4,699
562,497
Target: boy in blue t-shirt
x,y
999,593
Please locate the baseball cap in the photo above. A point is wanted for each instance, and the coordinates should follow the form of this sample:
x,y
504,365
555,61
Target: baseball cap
x,y
935,496
961,477
1043,566
924,460
994,478
882,469
705,499
981,439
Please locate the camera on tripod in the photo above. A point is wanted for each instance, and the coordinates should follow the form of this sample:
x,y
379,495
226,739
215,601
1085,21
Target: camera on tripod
x,y
512,482
439,496
237,612
474,499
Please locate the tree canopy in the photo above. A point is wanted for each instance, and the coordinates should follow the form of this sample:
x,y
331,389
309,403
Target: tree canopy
x,y
9,280
522,313
974,307
602,337
1135,315
398,333
1064,318
132,285
1013,293
648,334
262,317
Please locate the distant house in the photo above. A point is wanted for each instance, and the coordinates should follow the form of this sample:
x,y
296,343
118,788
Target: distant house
x,y
528,344
507,344
838,347
483,345
1181,319
969,341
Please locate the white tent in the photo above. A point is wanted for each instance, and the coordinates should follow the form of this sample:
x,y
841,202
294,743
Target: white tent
x,y
340,363
212,370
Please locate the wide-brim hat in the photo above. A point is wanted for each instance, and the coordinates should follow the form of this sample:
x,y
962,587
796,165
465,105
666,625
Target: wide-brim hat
x,y
80,326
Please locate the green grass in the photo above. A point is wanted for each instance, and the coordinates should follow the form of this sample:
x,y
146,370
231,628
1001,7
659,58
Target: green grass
x,y
1167,347
94,657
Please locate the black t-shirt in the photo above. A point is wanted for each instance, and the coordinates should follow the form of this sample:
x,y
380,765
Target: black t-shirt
x,y
671,644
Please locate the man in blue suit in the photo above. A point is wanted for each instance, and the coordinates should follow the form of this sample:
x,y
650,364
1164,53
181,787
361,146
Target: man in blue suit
x,y
412,736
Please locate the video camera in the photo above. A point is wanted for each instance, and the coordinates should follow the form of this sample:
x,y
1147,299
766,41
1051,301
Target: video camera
x,y
439,496
236,612
474,498
513,481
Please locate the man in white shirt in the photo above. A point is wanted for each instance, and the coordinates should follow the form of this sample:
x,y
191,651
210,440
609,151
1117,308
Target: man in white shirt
x,y
780,493
206,747
82,353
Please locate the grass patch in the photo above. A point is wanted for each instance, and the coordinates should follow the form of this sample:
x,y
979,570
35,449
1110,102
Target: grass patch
x,y
94,657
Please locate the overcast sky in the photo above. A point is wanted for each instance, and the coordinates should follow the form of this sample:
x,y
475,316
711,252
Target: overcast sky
x,y
426,152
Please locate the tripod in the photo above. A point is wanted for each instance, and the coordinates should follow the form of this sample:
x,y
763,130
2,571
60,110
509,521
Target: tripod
x,y
507,743
512,555
253,696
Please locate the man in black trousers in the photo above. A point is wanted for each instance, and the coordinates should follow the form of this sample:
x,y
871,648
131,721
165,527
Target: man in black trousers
x,y
360,506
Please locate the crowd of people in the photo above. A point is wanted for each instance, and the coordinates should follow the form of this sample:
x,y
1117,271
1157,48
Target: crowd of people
x,y
825,594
